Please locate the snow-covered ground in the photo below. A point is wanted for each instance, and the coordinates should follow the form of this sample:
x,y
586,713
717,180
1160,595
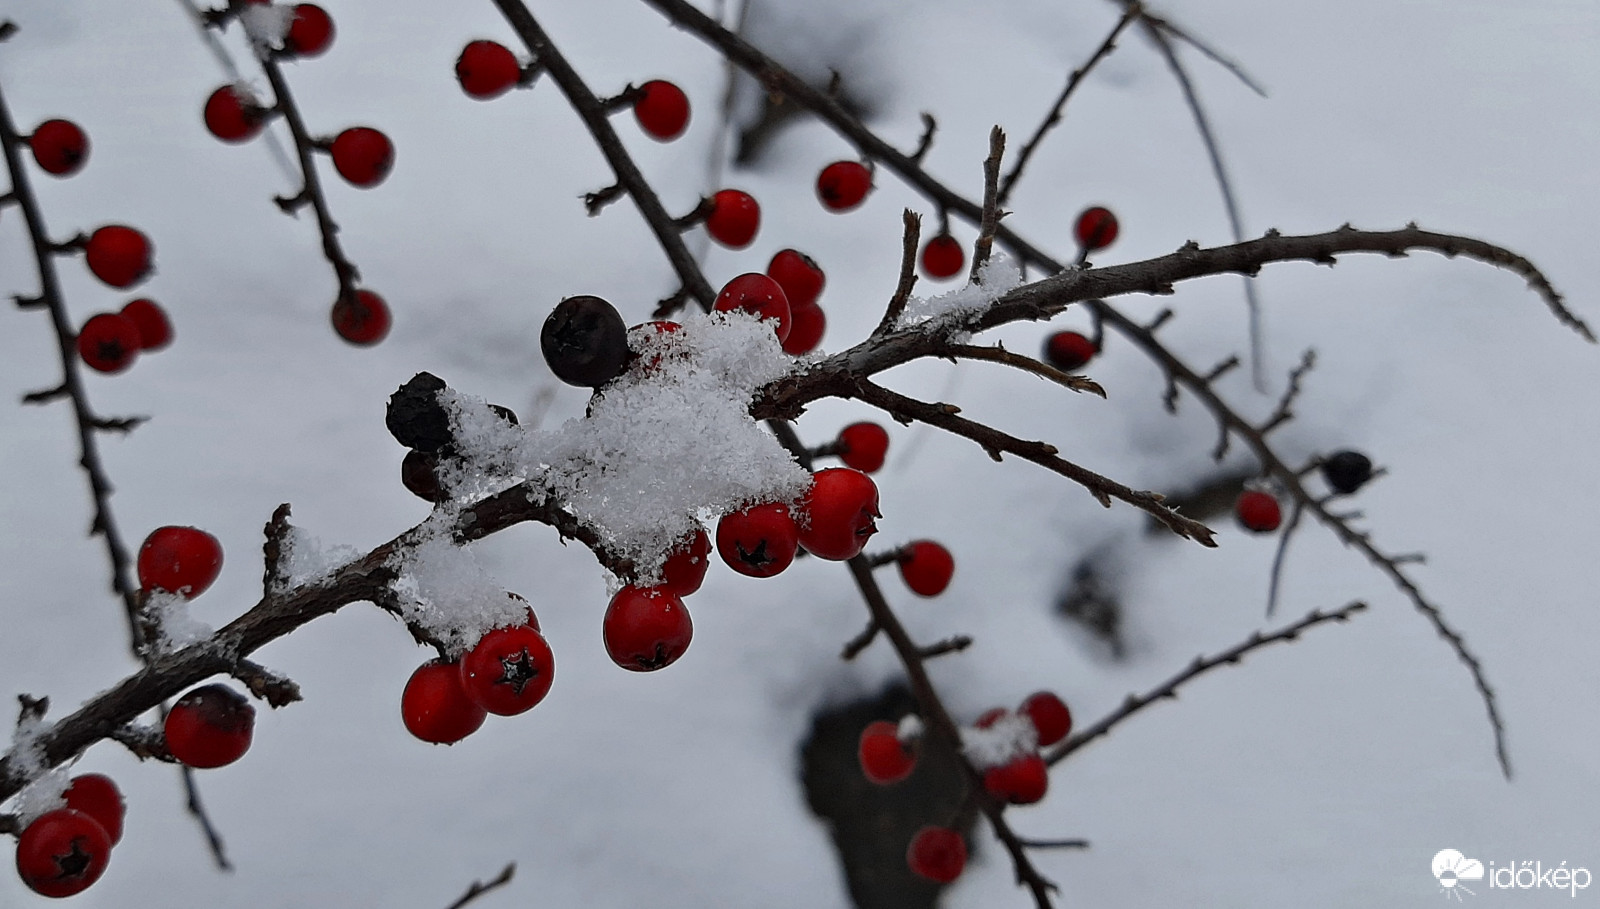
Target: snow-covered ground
x,y
1326,773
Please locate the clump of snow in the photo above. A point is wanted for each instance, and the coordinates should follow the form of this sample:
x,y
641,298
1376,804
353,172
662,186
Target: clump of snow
x,y
665,446
266,24
306,560
175,627
442,588
1007,738
45,787
998,277
910,728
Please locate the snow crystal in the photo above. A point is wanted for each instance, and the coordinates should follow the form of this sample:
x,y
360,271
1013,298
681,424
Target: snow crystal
x,y
305,560
44,788
266,24
998,276
175,627
1008,737
665,446
442,588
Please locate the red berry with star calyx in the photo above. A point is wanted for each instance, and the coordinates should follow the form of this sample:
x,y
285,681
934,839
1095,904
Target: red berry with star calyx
x,y
1258,511
62,853
662,110
118,255
210,726
1096,228
108,342
937,853
181,560
926,567
1022,780
155,330
1069,351
646,628
843,185
509,670
837,513
232,114
807,326
799,275
756,293
362,318
434,706
734,219
59,147
97,796
884,758
1050,716
759,541
943,257
487,69
685,569
362,155
310,32
863,446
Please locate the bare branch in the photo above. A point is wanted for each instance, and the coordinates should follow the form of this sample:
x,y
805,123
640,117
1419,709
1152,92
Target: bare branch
x,y
992,214
479,888
908,273
999,354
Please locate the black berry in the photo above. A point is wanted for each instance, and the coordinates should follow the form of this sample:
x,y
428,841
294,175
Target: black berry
x,y
1346,471
415,417
585,341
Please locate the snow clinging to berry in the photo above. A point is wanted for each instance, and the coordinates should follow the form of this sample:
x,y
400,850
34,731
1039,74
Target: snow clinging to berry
x,y
266,24
442,588
1008,737
668,445
996,278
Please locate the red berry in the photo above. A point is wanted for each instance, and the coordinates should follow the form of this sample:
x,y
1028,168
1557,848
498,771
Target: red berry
x,y
59,147
363,319
1050,716
62,852
937,853
118,255
646,628
843,185
155,330
232,115
210,726
1021,781
685,570
97,796
662,109
926,567
436,708
1096,228
862,446
756,293
509,670
759,541
310,32
735,217
943,257
884,758
1069,351
109,342
1258,511
799,276
362,155
181,560
807,325
838,512
487,69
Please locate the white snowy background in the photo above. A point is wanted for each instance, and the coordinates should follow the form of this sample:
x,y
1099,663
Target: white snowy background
x,y
1326,773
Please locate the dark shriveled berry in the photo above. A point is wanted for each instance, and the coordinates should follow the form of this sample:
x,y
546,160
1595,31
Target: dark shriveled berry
x,y
1346,471
415,417
585,341
419,474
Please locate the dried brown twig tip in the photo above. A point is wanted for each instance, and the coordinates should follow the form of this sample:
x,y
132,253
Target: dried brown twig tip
x,y
1284,411
479,888
998,354
908,272
1200,666
990,221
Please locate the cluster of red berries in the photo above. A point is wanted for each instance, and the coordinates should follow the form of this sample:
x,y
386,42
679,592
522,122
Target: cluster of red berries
x,y
833,520
110,341
63,851
507,672
363,156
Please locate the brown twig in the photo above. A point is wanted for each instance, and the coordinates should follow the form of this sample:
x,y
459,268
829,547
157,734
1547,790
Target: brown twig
x,y
908,273
998,354
1284,412
479,888
989,221
1200,666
